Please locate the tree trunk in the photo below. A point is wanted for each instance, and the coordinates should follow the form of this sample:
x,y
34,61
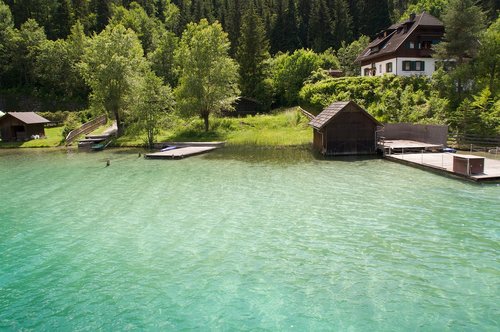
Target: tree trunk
x,y
119,130
492,79
204,115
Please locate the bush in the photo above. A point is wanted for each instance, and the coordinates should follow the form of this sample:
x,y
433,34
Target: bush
x,y
70,124
389,98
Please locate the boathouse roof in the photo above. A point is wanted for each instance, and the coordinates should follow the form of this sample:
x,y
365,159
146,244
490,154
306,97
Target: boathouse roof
x,y
28,117
330,112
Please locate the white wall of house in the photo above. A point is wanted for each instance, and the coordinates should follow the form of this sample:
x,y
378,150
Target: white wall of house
x,y
397,67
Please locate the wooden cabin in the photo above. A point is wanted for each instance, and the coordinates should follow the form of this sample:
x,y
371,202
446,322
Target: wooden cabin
x,y
344,128
21,126
244,106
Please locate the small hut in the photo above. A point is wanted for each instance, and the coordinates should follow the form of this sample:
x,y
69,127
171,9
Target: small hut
x,y
244,106
21,126
344,128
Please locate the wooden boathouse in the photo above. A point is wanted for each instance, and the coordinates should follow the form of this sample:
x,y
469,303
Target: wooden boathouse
x,y
345,128
21,126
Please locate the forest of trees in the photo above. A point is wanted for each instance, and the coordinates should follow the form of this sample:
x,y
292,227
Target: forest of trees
x,y
68,50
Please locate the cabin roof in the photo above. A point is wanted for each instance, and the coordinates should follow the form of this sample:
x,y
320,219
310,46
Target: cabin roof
x,y
330,112
28,117
389,40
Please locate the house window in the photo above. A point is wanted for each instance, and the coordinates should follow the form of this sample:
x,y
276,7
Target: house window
x,y
412,45
406,65
380,68
388,67
413,65
366,72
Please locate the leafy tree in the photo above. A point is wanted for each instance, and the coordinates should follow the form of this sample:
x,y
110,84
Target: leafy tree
x,y
55,67
289,71
6,42
169,14
136,18
252,53
488,110
82,13
26,47
112,66
153,102
489,56
463,22
208,76
347,55
162,58
433,7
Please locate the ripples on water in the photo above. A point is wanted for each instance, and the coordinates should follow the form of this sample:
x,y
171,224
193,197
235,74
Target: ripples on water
x,y
242,240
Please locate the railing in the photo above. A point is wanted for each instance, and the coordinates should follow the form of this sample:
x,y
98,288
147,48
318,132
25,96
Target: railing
x,y
86,128
306,113
474,139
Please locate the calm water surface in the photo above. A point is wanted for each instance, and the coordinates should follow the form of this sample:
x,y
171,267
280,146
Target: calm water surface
x,y
254,240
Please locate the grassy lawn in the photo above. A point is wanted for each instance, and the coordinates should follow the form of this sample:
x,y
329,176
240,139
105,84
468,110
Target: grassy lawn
x,y
281,128
53,138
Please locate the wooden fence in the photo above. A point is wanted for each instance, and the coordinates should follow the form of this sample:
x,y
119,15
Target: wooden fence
x,y
485,141
86,128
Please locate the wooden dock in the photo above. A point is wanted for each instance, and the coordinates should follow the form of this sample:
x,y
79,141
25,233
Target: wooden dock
x,y
409,145
442,163
180,153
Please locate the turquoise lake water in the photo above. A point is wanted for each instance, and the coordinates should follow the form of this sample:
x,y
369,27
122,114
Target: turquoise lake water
x,y
254,240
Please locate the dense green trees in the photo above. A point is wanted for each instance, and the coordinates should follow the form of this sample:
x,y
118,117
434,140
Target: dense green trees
x,y
152,102
252,55
289,71
389,98
208,76
347,54
112,66
135,50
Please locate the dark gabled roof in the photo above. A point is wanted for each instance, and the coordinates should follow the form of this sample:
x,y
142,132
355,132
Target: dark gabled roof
x,y
331,111
28,117
389,40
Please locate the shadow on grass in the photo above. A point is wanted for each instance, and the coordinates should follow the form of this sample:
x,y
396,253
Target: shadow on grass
x,y
10,145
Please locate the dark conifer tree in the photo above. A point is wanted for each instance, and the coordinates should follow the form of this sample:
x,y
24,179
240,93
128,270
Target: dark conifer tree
x,y
62,21
374,17
320,24
284,34
304,10
253,50
102,11
341,23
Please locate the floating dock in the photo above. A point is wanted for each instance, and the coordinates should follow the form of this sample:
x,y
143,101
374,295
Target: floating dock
x,y
446,163
183,150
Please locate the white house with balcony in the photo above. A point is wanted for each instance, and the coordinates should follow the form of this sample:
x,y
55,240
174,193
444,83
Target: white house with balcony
x,y
404,48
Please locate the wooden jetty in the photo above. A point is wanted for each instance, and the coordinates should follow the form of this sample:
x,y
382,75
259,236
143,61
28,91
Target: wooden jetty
x,y
408,145
477,168
181,152
98,142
